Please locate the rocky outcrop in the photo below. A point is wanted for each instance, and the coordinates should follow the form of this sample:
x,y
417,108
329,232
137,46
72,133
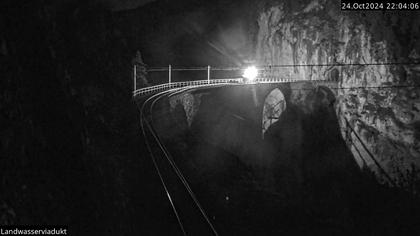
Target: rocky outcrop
x,y
380,101
189,102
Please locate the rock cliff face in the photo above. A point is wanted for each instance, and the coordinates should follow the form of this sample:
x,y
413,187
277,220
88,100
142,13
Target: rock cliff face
x,y
67,124
382,102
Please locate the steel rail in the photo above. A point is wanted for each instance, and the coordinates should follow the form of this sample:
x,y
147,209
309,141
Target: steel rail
x,y
175,167
173,163
154,99
142,121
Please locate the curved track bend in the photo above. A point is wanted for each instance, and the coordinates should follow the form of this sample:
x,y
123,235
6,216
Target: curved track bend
x,y
190,215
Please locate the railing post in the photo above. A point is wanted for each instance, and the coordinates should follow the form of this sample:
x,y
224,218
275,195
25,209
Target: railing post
x,y
170,72
208,74
134,78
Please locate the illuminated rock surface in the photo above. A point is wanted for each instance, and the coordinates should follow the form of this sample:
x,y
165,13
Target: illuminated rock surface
x,y
386,119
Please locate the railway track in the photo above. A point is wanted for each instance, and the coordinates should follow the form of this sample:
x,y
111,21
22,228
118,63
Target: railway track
x,y
190,215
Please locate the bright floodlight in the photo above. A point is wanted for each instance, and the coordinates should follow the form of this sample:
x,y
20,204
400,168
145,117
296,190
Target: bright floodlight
x,y
250,73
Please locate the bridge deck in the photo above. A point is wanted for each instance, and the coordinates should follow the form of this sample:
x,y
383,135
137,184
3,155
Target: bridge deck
x,y
162,87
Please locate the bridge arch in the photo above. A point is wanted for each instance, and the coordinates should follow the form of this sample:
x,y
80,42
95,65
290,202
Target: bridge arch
x,y
274,105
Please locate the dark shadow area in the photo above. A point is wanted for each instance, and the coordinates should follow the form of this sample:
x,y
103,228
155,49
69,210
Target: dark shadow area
x,y
70,153
302,180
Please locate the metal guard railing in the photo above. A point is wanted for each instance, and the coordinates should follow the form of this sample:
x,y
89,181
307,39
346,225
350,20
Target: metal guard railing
x,y
162,87
166,86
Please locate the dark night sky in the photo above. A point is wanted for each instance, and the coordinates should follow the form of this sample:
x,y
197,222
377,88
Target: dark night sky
x,y
126,4
115,5
192,32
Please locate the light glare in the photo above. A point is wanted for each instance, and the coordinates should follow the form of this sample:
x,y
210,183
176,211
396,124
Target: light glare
x,y
250,73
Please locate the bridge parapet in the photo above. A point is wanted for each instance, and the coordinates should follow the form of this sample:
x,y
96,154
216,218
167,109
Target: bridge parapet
x,y
167,86
262,80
